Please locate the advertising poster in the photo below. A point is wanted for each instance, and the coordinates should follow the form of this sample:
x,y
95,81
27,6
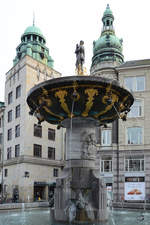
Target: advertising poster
x,y
135,191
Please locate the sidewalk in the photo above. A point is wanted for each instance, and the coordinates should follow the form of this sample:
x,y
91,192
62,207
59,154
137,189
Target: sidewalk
x,y
9,206
131,205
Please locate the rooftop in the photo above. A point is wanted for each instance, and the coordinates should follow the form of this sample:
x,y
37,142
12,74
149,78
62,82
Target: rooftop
x,y
135,63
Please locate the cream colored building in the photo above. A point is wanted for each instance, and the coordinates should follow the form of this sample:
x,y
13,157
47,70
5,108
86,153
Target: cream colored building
x,y
124,146
33,154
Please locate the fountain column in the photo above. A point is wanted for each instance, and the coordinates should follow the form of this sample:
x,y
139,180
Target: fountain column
x,y
80,194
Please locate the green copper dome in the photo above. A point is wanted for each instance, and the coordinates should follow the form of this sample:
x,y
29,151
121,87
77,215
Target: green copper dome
x,y
108,41
33,44
33,29
108,47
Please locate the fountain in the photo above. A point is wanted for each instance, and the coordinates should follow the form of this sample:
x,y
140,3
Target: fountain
x,y
80,104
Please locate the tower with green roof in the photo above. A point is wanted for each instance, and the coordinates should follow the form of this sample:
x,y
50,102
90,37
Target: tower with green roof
x,y
107,57
107,50
33,44
28,147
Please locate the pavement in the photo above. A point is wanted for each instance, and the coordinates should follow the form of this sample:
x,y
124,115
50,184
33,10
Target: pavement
x,y
131,205
9,206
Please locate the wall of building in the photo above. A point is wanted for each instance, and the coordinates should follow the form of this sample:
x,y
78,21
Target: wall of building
x,y
119,153
28,73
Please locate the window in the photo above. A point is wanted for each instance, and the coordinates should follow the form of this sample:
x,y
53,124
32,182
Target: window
x,y
9,134
37,130
106,137
26,174
135,135
14,78
9,153
135,163
135,83
10,98
18,91
51,134
17,111
136,109
17,130
106,164
55,172
37,151
17,150
107,23
51,153
6,172
10,82
10,116
1,137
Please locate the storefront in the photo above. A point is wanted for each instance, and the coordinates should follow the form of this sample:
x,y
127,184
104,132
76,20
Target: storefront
x,y
40,192
108,180
44,190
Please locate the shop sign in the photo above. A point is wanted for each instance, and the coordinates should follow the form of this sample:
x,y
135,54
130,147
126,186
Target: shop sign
x,y
129,174
106,175
135,191
40,183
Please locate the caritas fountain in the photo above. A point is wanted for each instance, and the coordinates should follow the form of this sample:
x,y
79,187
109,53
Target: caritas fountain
x,y
80,104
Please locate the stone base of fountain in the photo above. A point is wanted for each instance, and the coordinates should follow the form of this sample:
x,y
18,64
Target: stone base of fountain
x,y
80,194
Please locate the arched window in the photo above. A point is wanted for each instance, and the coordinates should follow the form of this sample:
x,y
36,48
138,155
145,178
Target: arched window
x,y
107,23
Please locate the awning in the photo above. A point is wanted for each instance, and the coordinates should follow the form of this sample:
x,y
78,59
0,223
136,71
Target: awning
x,y
108,180
42,183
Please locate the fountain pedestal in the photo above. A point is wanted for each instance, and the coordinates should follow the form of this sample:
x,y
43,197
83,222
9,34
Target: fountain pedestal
x,y
80,194
80,103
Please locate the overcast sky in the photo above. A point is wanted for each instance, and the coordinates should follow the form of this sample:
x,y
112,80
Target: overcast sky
x,y
65,22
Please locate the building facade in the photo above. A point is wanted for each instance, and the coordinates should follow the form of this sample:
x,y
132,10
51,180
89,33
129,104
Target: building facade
x,y
124,146
32,157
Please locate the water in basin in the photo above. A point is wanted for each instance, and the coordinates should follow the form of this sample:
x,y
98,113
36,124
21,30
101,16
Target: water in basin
x,y
43,217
